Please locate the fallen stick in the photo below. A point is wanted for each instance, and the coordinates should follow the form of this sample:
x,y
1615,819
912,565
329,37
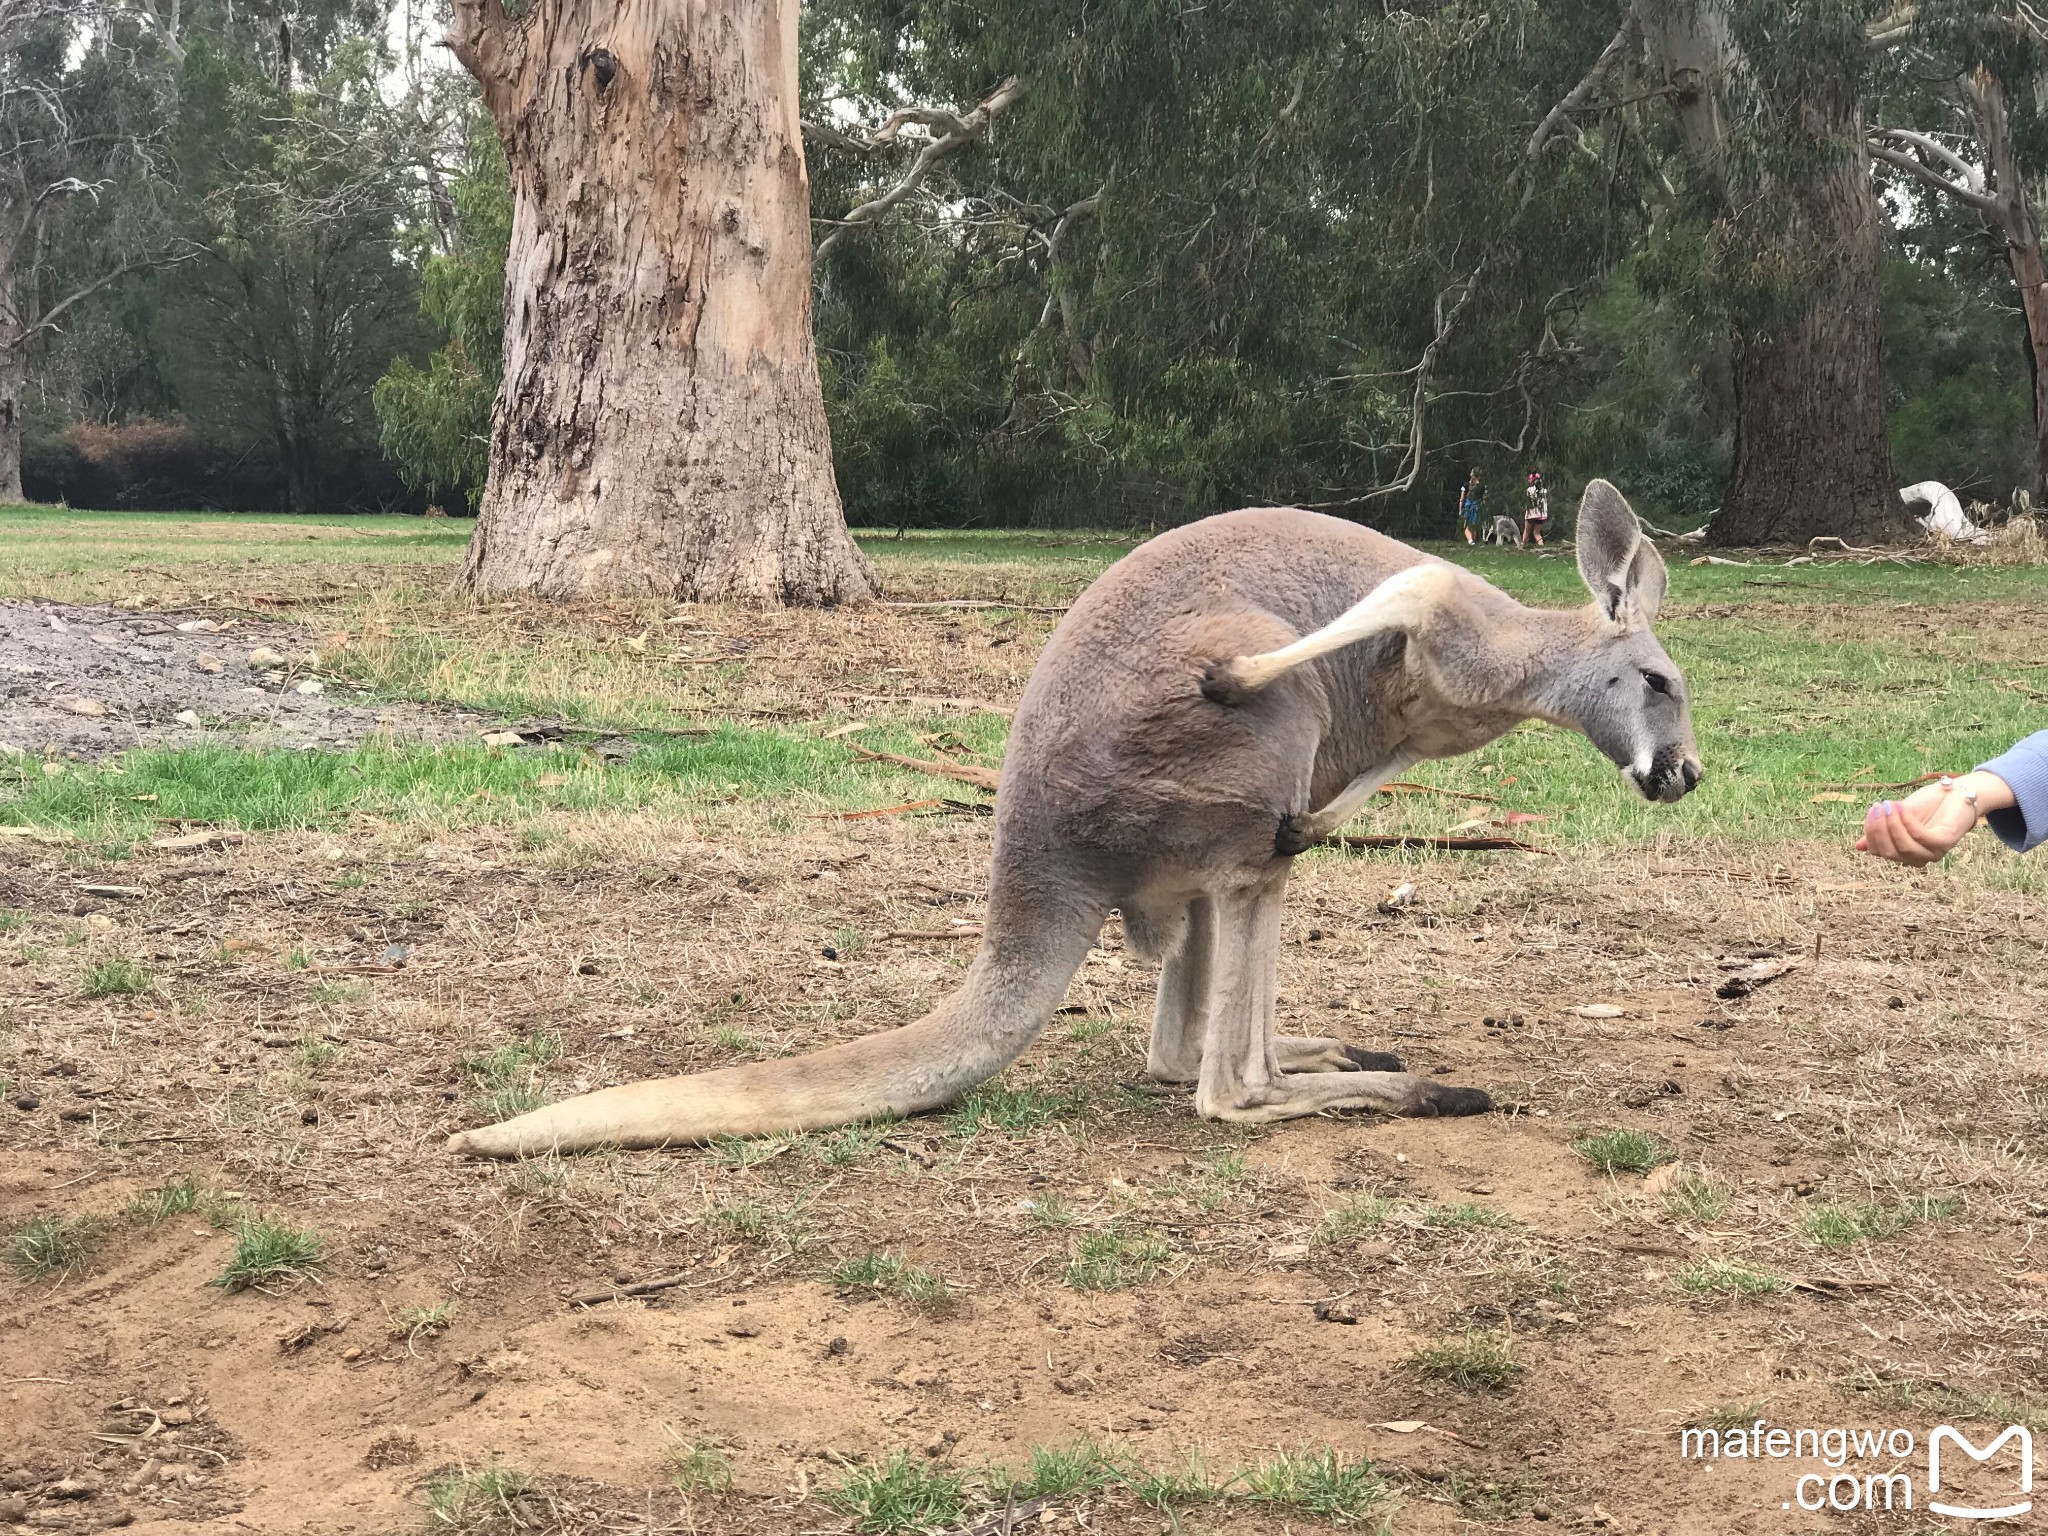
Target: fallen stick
x,y
969,602
1449,844
1925,778
971,931
637,1288
966,773
880,810
1403,787
192,842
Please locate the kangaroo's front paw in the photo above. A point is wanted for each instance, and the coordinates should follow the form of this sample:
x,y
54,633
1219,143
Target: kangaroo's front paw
x,y
1362,1060
1221,683
1294,835
1447,1099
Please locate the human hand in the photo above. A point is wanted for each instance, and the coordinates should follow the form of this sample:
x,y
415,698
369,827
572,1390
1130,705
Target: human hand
x,y
1929,822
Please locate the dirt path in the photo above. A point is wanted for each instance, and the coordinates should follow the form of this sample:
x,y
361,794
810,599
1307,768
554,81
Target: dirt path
x,y
274,1060
83,683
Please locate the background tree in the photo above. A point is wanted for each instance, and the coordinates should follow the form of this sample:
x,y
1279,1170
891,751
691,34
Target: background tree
x,y
435,422
80,116
660,428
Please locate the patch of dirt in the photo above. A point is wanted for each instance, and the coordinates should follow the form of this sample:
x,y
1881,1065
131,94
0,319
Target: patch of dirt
x,y
83,683
281,1063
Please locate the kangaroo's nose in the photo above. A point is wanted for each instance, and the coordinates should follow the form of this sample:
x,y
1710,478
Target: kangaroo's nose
x,y
1690,771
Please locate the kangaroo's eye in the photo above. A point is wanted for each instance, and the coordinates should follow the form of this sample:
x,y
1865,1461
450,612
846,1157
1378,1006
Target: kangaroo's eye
x,y
1658,682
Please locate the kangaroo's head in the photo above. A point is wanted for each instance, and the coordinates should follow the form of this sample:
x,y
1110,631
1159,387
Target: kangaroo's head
x,y
1616,684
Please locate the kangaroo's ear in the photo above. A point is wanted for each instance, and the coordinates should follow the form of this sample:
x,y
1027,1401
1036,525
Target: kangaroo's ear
x,y
1647,581
1607,537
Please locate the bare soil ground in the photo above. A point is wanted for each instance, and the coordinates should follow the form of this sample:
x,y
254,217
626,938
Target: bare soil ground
x,y
1304,1285
82,682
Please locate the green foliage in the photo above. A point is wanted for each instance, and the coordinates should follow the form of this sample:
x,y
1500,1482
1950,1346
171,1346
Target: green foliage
x,y
1722,1277
1115,1260
1479,1357
1839,1226
117,976
271,1252
47,1247
901,1494
1318,1481
1622,1151
475,1502
890,1274
435,422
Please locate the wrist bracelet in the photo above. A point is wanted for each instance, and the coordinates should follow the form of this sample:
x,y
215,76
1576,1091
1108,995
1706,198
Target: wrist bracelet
x,y
1969,795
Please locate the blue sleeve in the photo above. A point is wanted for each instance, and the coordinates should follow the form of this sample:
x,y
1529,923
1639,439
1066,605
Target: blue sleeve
x,y
2024,824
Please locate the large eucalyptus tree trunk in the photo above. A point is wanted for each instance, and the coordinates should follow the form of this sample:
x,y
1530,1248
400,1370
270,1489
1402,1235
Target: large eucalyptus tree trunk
x,y
1811,454
660,428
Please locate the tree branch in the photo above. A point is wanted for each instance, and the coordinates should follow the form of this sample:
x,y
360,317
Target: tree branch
x,y
959,131
1576,96
1969,190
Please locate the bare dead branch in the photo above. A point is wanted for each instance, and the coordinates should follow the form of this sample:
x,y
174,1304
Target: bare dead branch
x,y
958,131
1576,96
1966,186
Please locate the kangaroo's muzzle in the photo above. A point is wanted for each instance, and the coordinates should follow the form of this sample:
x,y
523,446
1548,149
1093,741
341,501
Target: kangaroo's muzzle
x,y
1672,775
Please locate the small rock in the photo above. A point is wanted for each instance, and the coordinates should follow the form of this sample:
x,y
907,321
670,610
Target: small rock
x,y
13,1510
837,1347
312,685
353,1352
197,627
117,1517
143,654
1539,1511
502,738
206,663
187,717
20,1477
396,954
176,1417
264,656
73,1488
26,1101
84,705
309,1116
74,1114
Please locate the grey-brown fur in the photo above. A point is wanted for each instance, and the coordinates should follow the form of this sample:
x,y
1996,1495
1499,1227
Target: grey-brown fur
x,y
1168,756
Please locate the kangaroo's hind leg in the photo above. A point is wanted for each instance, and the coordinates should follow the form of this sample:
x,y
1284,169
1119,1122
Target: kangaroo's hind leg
x,y
1242,1078
1180,1016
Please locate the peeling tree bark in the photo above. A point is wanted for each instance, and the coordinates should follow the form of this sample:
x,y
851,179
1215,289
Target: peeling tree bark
x,y
660,428
1811,454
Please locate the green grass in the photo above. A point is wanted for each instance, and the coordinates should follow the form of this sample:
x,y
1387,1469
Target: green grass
x,y
270,1252
475,1502
1478,1357
890,1274
1115,1260
1622,1151
1721,1277
900,1494
1061,1471
1013,1111
450,786
1467,1215
422,1320
1788,698
1838,1226
508,1077
1320,1482
1695,1196
696,1466
1726,1415
116,976
48,1247
184,1195
12,919
1355,1217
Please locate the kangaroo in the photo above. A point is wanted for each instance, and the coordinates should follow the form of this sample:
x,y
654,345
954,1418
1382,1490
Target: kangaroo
x,y
1504,531
1219,700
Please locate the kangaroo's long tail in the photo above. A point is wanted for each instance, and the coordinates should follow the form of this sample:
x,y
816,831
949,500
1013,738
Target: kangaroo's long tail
x,y
1028,955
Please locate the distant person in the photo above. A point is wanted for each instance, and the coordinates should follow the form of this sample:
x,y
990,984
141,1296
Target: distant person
x,y
1468,508
1536,510
2010,792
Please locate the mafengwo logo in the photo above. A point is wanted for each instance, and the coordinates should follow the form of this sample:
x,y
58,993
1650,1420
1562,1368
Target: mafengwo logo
x,y
1875,1469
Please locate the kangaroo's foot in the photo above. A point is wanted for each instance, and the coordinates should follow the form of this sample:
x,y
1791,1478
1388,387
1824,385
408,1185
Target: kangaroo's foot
x,y
1387,1093
1307,1053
